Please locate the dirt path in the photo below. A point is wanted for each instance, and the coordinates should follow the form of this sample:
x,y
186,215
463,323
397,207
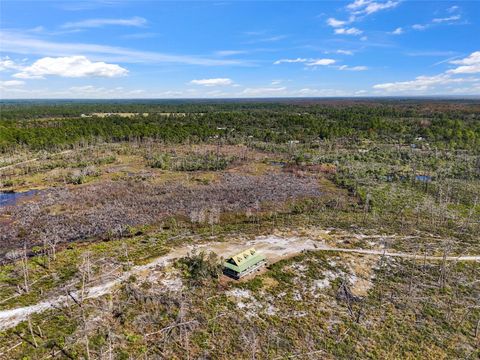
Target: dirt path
x,y
273,247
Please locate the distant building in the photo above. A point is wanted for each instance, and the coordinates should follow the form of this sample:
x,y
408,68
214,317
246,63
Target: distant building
x,y
244,263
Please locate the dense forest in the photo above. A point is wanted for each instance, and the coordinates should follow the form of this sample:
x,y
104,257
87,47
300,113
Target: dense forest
x,y
48,126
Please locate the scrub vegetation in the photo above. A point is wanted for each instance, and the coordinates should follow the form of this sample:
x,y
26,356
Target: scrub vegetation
x,y
129,199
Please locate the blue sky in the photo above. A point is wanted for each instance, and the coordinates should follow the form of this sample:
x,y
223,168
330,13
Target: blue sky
x,y
215,49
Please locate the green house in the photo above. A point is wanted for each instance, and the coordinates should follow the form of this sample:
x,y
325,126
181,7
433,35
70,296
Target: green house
x,y
244,263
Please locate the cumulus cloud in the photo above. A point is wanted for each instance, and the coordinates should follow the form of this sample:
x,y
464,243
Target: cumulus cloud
x,y
397,31
469,65
135,21
70,66
213,82
335,23
357,10
8,64
367,7
348,31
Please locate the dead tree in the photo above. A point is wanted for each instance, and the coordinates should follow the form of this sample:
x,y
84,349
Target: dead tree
x,y
24,263
345,294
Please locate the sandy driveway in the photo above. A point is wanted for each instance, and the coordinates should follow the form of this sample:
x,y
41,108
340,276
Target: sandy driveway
x,y
273,247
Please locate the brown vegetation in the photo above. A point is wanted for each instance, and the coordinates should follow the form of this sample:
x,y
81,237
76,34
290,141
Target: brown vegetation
x,y
109,209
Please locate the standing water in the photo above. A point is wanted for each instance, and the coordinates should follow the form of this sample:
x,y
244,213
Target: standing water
x,y
423,178
11,198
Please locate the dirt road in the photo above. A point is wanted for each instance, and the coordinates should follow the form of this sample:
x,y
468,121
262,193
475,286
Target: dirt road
x,y
273,247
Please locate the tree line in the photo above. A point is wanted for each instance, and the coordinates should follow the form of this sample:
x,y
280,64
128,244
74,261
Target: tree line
x,y
28,126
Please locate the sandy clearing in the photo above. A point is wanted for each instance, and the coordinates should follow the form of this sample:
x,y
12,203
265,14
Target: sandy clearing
x,y
273,247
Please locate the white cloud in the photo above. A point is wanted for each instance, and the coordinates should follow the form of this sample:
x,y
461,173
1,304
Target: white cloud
x,y
420,26
422,83
71,66
358,4
447,19
212,82
359,9
321,62
308,62
450,20
264,91
397,31
321,92
17,43
469,65
339,51
11,83
8,64
344,52
353,68
289,61
472,59
367,7
453,8
348,31
95,23
76,92
92,91
335,23
444,82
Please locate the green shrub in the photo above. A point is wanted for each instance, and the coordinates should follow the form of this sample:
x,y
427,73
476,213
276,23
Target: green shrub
x,y
200,267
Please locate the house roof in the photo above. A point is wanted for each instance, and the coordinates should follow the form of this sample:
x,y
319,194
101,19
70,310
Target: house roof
x,y
243,260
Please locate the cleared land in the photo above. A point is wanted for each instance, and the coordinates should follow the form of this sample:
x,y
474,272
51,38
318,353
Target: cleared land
x,y
367,212
273,247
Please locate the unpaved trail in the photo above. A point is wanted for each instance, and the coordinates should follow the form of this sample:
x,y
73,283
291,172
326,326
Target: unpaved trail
x,y
273,247
402,255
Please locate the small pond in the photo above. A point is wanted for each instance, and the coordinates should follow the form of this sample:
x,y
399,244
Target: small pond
x,y
423,178
10,198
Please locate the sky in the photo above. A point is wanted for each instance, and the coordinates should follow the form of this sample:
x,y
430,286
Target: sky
x,y
238,49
